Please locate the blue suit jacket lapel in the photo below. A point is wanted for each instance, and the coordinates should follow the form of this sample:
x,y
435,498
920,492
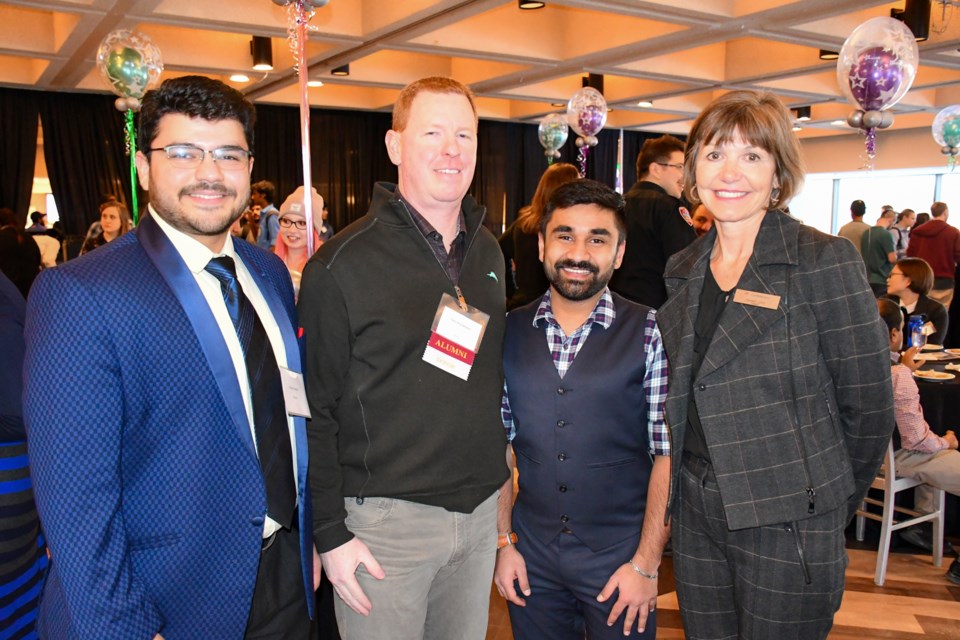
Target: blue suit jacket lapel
x,y
282,312
184,286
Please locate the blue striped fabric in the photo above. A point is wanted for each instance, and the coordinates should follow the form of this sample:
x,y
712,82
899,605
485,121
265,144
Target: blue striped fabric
x,y
23,551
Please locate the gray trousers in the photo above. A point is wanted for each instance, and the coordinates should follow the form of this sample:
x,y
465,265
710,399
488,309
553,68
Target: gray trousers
x,y
438,565
940,469
781,581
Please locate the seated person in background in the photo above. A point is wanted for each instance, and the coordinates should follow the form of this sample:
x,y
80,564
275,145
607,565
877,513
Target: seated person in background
x,y
292,242
908,284
924,455
114,222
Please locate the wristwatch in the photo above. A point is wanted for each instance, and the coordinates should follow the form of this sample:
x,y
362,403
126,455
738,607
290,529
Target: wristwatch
x,y
506,539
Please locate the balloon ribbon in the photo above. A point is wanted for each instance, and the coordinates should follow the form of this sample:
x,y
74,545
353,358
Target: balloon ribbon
x,y
303,16
582,159
131,138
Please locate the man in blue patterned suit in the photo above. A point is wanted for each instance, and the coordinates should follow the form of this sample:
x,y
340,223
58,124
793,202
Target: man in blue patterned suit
x,y
586,379
170,472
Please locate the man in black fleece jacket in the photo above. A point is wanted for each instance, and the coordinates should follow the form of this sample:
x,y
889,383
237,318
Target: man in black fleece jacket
x,y
406,456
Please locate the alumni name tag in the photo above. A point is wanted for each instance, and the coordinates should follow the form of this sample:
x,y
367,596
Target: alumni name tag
x,y
756,299
455,336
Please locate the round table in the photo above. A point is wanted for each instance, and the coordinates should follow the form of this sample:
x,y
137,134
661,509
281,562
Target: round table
x,y
941,409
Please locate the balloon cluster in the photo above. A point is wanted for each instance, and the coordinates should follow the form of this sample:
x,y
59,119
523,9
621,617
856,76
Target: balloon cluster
x,y
307,4
553,132
946,132
130,65
586,114
876,68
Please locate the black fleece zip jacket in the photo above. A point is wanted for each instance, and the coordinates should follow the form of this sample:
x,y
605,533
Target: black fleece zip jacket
x,y
384,422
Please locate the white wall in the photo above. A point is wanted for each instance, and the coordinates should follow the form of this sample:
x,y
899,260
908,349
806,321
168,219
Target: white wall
x,y
895,150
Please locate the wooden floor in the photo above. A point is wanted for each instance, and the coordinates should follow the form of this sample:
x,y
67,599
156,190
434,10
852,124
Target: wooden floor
x,y
915,603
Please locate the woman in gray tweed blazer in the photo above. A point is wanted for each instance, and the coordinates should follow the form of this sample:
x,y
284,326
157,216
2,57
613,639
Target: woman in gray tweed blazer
x,y
780,403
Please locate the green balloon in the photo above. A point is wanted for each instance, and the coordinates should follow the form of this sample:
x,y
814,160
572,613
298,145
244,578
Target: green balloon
x,y
951,132
127,72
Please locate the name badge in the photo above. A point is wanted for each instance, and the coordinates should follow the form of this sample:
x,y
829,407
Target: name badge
x,y
756,299
294,393
455,336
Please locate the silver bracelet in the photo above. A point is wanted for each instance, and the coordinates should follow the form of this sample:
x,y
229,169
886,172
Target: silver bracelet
x,y
643,573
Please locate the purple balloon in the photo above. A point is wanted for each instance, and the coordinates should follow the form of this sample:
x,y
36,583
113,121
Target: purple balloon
x,y
591,119
875,78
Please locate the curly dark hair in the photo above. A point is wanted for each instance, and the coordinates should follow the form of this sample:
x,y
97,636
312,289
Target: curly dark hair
x,y
195,97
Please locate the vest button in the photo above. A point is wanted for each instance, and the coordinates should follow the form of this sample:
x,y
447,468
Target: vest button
x,y
560,391
561,423
564,519
562,457
563,488
702,387
257,521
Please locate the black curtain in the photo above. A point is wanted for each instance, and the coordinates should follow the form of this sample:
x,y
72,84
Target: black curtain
x,y
347,156
18,153
85,151
499,173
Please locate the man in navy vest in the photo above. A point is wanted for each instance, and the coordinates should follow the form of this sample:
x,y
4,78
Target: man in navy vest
x,y
585,381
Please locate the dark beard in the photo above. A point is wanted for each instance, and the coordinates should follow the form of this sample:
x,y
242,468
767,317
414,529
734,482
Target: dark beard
x,y
580,290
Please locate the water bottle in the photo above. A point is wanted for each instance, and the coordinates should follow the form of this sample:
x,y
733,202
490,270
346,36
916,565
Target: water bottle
x,y
915,336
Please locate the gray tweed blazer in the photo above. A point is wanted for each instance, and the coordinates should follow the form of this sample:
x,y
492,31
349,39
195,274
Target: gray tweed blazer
x,y
796,402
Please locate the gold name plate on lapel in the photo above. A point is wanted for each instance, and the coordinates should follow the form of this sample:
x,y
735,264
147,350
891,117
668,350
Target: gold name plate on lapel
x,y
756,299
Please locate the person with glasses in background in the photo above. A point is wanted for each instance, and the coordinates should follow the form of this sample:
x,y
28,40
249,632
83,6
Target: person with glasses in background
x,y
658,224
292,241
908,284
173,499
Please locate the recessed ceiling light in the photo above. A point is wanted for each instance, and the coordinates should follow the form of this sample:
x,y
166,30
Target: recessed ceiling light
x,y
645,103
239,77
341,71
314,83
531,4
839,123
558,104
797,127
803,113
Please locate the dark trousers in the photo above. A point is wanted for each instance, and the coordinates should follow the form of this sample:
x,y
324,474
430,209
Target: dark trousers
x,y
279,607
782,581
566,576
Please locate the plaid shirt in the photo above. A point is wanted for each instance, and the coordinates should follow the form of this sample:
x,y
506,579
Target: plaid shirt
x,y
564,350
915,433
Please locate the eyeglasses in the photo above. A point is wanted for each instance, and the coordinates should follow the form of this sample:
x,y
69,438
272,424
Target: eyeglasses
x,y
677,166
895,273
286,223
188,156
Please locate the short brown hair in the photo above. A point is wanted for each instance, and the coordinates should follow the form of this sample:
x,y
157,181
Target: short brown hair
x,y
656,150
433,84
919,272
938,209
761,120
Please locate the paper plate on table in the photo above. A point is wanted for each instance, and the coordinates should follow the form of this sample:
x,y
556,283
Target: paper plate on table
x,y
931,347
933,376
933,356
954,352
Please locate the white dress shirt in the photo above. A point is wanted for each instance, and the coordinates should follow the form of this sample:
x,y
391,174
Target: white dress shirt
x,y
196,256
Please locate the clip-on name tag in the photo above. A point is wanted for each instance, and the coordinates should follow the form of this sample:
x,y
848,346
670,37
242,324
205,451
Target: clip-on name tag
x,y
455,336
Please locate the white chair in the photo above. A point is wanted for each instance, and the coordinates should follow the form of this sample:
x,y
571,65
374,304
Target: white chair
x,y
890,484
